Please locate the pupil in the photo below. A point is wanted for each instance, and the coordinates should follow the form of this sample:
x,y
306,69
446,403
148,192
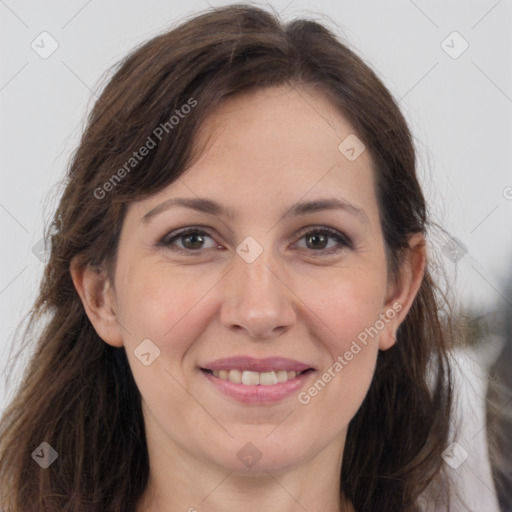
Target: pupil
x,y
317,237
194,236
197,240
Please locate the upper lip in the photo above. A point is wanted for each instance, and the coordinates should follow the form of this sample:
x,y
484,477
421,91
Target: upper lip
x,y
267,364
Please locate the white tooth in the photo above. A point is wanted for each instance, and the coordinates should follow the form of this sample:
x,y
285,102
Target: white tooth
x,y
250,378
235,376
268,378
255,378
282,376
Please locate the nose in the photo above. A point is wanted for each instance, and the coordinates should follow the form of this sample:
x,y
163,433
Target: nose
x,y
257,299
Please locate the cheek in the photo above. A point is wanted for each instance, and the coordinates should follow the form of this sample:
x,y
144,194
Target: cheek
x,y
161,305
169,306
156,298
347,312
348,304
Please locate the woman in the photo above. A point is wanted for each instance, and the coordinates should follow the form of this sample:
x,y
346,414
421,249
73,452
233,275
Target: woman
x,y
240,307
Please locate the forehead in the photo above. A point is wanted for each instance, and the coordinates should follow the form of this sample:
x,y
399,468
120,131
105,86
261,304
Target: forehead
x,y
279,121
275,146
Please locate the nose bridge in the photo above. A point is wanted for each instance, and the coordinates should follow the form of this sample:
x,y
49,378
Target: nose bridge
x,y
258,283
254,261
256,298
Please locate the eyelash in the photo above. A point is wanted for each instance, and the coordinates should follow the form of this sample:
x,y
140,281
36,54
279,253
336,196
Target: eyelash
x,y
343,240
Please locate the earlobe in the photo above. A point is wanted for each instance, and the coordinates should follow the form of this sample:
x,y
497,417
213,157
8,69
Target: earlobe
x,y
98,299
401,293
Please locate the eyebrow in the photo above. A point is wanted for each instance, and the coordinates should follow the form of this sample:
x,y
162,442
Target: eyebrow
x,y
214,208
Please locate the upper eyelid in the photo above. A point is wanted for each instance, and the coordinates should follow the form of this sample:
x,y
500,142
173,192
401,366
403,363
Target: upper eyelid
x,y
331,232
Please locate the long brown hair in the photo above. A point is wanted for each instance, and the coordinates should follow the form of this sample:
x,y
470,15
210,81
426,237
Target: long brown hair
x,y
78,393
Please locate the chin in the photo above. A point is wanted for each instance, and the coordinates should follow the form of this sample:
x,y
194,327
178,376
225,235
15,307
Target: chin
x,y
259,454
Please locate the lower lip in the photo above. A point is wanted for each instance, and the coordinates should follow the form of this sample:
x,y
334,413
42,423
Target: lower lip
x,y
259,394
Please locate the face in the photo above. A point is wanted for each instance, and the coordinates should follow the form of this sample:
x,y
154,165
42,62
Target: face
x,y
262,276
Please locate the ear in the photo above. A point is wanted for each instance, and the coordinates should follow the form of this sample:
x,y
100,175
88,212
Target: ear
x,y
98,298
400,294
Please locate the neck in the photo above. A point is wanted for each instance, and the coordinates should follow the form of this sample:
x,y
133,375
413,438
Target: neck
x,y
180,480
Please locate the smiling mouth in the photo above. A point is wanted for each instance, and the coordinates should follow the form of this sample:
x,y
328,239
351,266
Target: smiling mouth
x,y
250,378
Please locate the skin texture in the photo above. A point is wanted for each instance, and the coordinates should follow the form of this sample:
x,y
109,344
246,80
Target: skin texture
x,y
266,151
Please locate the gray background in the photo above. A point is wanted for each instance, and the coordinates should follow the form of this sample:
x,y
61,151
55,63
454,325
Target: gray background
x,y
460,111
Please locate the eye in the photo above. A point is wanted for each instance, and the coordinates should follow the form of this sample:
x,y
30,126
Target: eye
x,y
318,239
192,240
